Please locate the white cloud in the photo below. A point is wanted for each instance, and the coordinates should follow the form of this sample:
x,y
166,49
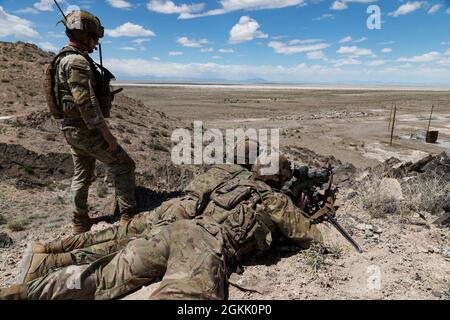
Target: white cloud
x,y
342,4
386,50
47,46
386,43
71,8
407,8
44,5
324,16
346,39
427,57
444,62
306,41
148,68
246,30
191,43
447,53
206,50
350,39
344,62
315,55
339,5
355,51
376,63
11,25
448,11
360,40
435,8
283,48
169,7
129,30
235,5
175,53
217,57
119,4
156,58
226,50
128,48
27,10
140,41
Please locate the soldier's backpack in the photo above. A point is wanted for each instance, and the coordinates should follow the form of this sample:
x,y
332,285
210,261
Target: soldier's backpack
x,y
49,85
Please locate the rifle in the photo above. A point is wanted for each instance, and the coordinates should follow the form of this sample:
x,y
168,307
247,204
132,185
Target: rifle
x,y
310,183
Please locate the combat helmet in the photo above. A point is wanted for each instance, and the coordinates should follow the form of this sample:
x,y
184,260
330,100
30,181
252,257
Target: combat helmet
x,y
81,25
274,179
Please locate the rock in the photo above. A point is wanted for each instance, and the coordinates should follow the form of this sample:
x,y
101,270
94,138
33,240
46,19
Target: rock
x,y
377,230
351,195
446,252
361,226
368,233
5,240
390,189
443,220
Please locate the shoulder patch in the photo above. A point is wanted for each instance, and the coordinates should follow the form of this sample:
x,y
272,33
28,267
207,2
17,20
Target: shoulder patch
x,y
76,61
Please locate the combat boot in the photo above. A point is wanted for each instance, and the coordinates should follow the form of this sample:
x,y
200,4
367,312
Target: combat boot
x,y
15,292
81,224
35,265
126,216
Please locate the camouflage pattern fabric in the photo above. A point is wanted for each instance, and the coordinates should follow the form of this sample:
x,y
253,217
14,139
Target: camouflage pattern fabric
x,y
191,256
171,210
187,256
75,82
75,89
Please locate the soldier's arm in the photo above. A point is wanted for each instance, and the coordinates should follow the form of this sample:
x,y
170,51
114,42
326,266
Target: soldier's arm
x,y
290,220
80,80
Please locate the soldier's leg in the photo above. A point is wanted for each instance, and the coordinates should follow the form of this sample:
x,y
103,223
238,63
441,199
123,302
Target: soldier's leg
x,y
70,283
84,166
142,262
122,168
196,268
133,229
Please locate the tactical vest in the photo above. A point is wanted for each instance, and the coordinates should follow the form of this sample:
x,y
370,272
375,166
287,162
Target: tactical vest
x,y
227,195
57,96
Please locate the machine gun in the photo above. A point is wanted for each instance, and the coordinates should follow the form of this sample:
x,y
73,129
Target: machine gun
x,y
310,183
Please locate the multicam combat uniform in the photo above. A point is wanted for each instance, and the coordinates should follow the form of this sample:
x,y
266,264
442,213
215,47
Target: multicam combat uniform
x,y
76,91
235,217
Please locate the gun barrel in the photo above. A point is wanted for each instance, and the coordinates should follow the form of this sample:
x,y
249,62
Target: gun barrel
x,y
344,233
117,91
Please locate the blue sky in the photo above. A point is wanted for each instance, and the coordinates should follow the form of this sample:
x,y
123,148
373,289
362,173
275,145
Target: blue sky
x,y
312,41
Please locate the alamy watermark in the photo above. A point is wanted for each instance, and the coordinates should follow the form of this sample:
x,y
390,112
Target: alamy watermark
x,y
212,146
374,20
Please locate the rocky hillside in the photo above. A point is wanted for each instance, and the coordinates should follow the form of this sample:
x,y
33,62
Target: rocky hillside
x,y
21,69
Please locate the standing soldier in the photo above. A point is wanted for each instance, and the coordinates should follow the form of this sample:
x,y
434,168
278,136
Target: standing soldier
x,y
79,95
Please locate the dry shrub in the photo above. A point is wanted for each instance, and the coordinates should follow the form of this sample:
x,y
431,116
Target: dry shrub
x,y
422,193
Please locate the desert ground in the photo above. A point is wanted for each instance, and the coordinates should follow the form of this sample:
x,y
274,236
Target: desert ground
x,y
406,254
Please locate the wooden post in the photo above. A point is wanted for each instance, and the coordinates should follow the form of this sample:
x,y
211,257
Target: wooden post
x,y
393,123
431,115
390,117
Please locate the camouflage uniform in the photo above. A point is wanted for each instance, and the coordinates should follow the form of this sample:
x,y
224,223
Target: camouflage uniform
x,y
75,89
239,218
